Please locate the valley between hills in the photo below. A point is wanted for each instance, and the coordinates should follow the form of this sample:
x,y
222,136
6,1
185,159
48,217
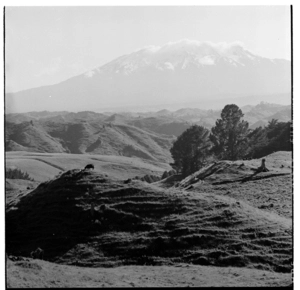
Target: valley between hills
x,y
220,226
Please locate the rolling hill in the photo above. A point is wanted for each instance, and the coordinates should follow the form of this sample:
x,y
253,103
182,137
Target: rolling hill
x,y
94,137
162,125
148,136
162,121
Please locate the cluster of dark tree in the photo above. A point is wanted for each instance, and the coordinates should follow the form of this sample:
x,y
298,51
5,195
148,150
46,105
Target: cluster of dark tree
x,y
17,174
276,136
229,139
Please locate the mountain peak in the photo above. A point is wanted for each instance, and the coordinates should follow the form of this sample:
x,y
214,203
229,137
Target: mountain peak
x,y
179,55
191,44
182,70
195,46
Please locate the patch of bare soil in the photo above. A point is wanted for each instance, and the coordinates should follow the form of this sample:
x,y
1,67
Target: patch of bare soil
x,y
42,274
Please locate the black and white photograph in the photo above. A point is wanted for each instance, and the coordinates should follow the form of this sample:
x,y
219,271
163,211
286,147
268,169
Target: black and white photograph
x,y
148,146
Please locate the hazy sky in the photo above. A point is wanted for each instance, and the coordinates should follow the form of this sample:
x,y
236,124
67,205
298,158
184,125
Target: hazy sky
x,y
46,45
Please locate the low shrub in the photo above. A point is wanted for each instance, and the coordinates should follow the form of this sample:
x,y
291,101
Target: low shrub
x,y
17,174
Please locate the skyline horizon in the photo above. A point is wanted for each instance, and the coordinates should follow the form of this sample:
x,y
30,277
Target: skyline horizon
x,y
173,107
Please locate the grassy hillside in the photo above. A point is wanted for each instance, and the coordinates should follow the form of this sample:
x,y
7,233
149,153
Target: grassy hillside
x,y
163,121
15,189
222,226
32,137
162,125
44,166
271,191
142,224
94,137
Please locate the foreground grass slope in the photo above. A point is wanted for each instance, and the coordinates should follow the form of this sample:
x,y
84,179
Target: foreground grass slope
x,y
270,191
141,224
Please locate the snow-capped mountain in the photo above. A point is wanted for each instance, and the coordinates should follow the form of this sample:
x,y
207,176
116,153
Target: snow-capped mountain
x,y
175,72
179,56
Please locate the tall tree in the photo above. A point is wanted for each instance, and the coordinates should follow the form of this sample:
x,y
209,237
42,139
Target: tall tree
x,y
276,136
190,150
229,135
